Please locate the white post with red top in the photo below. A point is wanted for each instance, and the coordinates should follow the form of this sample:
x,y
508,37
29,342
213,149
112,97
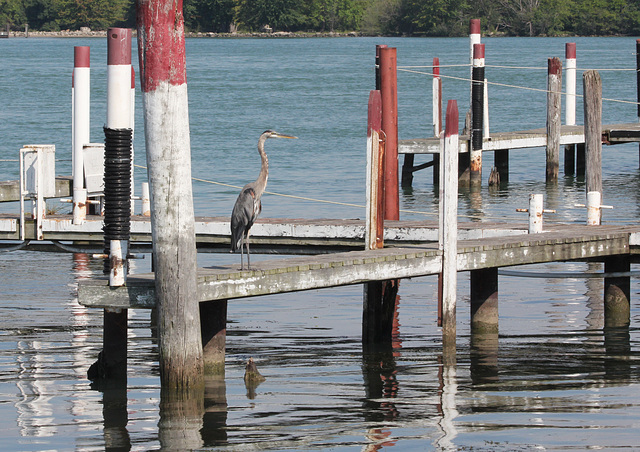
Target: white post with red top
x,y
80,126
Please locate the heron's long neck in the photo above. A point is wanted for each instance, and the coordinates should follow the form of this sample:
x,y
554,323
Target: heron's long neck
x,y
261,182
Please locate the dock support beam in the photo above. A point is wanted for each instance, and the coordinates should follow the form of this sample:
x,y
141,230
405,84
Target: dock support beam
x,y
213,328
484,301
617,293
161,49
501,162
554,99
593,129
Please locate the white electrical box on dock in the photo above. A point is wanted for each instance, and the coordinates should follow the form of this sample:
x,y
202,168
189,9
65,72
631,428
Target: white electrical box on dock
x,y
39,170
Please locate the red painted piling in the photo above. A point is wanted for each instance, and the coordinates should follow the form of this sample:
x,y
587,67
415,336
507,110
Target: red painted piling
x,y
389,94
163,75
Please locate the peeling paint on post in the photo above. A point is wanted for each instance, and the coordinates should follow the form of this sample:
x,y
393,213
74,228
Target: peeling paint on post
x,y
477,113
161,49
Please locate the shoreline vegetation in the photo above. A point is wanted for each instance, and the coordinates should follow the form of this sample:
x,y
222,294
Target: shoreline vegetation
x,y
87,33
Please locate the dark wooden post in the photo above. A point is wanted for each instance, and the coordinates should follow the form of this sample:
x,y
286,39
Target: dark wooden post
x,y
554,99
593,130
617,293
501,162
484,301
213,325
161,49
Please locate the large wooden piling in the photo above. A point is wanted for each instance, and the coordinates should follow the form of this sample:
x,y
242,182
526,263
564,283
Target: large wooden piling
x,y
161,49
554,100
638,78
449,226
593,130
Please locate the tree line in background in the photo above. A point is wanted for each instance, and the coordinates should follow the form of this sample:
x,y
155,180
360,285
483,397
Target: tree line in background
x,y
372,17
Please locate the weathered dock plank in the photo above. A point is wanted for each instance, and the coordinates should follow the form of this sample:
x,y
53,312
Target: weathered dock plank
x,y
303,273
265,233
10,190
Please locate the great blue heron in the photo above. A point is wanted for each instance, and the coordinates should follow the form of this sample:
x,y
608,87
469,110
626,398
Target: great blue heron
x,y
248,205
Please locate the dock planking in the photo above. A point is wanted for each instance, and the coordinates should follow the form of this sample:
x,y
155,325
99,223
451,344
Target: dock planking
x,y
560,243
611,134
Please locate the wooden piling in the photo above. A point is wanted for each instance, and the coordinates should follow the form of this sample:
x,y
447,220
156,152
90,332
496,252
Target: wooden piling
x,y
593,130
617,293
484,301
213,321
477,114
554,100
449,226
379,297
80,126
501,162
389,95
161,49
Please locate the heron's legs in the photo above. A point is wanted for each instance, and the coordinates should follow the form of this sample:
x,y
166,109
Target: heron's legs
x,y
248,253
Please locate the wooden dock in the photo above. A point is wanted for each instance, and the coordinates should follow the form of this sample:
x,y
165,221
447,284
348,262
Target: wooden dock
x,y
611,134
560,243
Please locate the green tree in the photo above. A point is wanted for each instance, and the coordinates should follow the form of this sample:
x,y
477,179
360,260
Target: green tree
x,y
278,14
208,15
95,14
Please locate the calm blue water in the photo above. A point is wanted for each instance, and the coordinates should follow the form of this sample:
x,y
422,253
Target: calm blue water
x,y
552,381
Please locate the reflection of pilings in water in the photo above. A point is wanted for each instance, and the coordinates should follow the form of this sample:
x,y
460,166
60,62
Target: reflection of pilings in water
x,y
484,358
379,373
617,364
116,417
35,413
595,290
214,420
447,408
181,419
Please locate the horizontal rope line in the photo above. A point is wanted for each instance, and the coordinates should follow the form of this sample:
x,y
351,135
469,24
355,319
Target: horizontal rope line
x,y
505,85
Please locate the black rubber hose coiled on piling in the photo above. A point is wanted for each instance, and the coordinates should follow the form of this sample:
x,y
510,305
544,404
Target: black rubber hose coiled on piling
x,y
477,107
117,187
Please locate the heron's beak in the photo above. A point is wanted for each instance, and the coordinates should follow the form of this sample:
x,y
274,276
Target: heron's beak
x,y
282,135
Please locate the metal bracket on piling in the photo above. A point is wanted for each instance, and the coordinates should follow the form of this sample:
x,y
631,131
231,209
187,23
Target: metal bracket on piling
x,y
594,208
535,213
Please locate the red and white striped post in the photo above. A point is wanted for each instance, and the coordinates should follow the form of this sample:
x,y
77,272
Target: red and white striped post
x,y
389,94
449,226
570,62
80,126
163,74
477,113
474,38
437,99
118,117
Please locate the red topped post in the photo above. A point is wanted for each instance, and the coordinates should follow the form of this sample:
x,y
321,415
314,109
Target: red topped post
x,y
389,93
163,75
80,126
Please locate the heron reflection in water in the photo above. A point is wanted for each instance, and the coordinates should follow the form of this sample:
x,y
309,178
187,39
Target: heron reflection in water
x,y
248,205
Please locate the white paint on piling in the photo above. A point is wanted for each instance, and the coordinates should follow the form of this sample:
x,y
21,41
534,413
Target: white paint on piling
x,y
570,105
80,126
594,199
536,202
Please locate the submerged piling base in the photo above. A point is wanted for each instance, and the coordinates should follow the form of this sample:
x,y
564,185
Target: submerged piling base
x,y
379,305
617,293
213,326
484,301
